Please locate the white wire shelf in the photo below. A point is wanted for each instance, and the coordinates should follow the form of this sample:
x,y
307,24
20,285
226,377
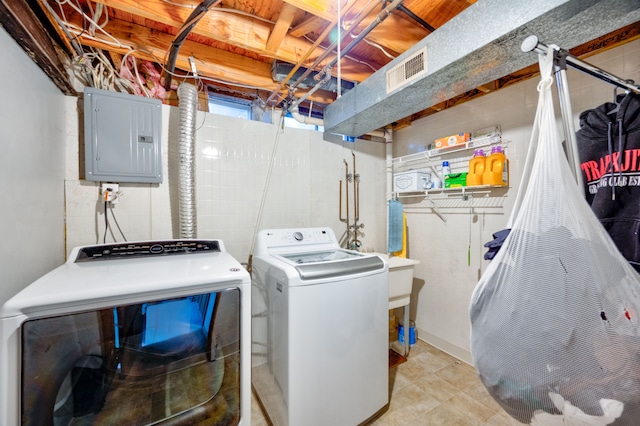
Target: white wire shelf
x,y
433,153
458,189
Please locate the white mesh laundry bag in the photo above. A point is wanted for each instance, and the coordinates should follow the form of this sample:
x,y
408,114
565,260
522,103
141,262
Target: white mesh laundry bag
x,y
554,318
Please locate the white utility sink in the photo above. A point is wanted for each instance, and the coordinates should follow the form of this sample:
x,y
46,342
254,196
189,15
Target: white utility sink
x,y
400,279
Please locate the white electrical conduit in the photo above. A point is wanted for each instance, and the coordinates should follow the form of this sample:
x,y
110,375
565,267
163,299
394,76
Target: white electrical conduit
x,y
188,108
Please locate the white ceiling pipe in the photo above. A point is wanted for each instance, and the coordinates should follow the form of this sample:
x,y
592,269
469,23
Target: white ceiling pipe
x,y
306,119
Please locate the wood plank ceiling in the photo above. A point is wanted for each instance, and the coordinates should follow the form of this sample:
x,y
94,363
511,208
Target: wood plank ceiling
x,y
239,48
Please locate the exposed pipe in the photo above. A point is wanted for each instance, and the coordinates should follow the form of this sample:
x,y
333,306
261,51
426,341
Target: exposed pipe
x,y
320,39
186,28
361,16
346,219
355,243
384,14
340,203
305,119
327,69
416,18
188,106
317,86
356,189
315,121
350,237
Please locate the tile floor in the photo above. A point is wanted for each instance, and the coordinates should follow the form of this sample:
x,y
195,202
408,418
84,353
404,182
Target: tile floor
x,y
431,388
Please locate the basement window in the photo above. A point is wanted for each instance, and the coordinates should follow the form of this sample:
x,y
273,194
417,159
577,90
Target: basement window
x,y
230,108
289,121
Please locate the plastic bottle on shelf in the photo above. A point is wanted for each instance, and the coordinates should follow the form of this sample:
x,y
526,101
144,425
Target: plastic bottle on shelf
x,y
476,168
446,169
496,169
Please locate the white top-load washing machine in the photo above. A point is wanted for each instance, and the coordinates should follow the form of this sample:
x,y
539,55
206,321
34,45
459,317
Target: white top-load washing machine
x,y
319,329
153,332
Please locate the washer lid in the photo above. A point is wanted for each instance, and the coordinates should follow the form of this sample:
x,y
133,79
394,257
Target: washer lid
x,y
333,263
321,256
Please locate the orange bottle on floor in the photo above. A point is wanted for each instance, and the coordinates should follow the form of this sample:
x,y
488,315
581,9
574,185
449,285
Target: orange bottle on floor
x,y
496,168
476,168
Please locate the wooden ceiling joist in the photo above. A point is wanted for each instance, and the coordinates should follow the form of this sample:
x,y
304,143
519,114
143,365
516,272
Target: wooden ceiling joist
x,y
235,44
235,30
215,63
281,28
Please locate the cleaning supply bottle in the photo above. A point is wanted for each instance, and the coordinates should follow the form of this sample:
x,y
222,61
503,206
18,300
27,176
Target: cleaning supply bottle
x,y
446,170
496,168
476,168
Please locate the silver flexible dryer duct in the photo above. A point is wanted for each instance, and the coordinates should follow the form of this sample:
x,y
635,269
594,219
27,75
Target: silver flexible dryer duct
x,y
188,106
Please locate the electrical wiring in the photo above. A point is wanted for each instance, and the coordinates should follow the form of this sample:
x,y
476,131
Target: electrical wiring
x,y
91,21
135,68
243,13
187,6
376,45
117,224
246,86
114,78
93,67
107,227
106,223
98,70
203,79
349,57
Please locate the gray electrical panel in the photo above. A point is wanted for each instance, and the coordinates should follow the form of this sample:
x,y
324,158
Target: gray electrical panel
x,y
122,137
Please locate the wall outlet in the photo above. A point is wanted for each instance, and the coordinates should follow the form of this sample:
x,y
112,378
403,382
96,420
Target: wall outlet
x,y
110,192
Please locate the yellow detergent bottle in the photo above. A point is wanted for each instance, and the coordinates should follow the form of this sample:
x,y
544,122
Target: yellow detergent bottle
x,y
496,168
476,168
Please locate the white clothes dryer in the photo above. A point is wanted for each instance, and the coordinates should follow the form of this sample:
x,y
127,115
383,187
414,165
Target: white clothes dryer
x,y
154,332
319,329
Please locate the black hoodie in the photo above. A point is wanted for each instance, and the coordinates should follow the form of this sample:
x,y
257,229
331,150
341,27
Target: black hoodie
x,y
609,151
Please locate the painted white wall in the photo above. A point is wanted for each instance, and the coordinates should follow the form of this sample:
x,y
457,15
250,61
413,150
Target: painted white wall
x,y
233,158
33,127
444,281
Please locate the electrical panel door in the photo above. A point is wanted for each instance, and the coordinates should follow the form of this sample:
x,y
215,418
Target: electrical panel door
x,y
122,137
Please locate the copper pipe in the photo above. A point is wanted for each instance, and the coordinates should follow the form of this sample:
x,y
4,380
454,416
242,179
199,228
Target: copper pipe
x,y
346,168
340,206
356,193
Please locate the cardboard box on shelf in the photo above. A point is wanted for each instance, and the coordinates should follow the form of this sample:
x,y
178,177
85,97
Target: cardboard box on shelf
x,y
452,140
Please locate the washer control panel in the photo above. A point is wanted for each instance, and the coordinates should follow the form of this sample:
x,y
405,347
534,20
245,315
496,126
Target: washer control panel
x,y
273,238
